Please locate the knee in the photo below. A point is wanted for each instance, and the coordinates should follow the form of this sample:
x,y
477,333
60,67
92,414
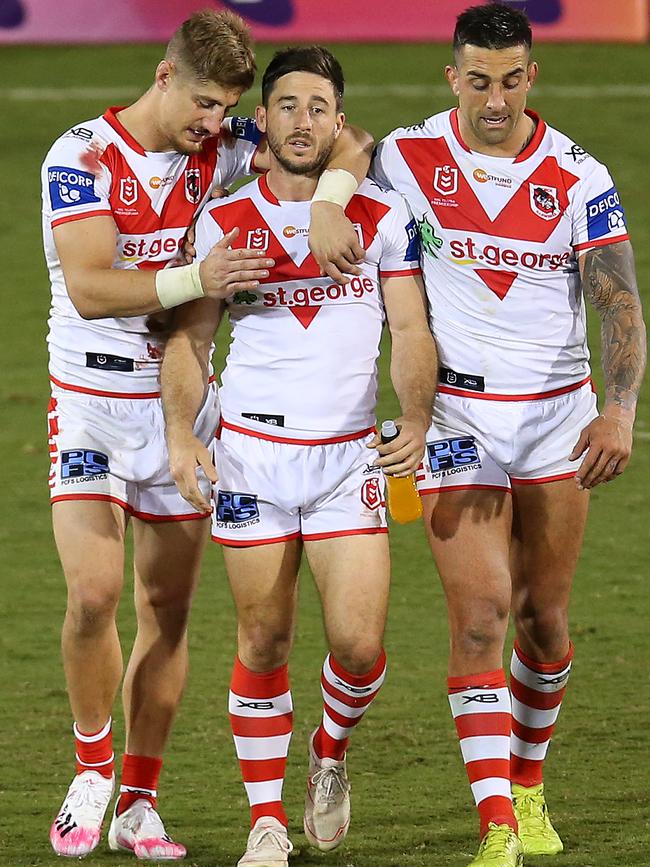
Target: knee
x,y
92,606
545,626
357,655
263,646
169,609
481,629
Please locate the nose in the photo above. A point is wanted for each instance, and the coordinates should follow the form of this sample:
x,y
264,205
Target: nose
x,y
212,120
496,100
303,119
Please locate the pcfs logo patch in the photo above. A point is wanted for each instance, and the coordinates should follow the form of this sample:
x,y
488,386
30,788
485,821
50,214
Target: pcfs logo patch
x,y
235,508
81,463
453,453
70,187
604,215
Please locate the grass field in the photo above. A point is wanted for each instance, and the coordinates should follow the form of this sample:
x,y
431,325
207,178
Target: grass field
x,y
410,796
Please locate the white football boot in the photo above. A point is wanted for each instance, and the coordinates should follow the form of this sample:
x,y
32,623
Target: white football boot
x,y
268,845
78,826
327,802
140,830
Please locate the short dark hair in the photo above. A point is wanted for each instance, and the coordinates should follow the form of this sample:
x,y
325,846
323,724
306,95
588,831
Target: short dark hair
x,y
216,47
494,25
307,58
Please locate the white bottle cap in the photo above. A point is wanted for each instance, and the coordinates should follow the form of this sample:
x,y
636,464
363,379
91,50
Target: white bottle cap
x,y
389,430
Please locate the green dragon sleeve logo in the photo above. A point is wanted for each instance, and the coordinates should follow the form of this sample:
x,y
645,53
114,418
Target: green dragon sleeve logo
x,y
428,238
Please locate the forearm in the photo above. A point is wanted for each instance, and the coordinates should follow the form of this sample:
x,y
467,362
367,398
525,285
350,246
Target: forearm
x,y
183,383
610,284
414,373
352,151
104,292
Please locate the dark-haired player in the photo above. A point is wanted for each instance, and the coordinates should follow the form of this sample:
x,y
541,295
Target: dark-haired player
x,y
295,453
519,225
119,193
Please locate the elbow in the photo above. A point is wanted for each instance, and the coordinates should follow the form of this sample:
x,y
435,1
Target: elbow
x,y
83,304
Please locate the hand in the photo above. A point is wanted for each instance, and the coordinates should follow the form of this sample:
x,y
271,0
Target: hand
x,y
224,271
186,455
403,455
608,443
334,242
187,252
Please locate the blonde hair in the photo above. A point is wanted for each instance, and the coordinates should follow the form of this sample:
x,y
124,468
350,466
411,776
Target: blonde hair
x,y
216,47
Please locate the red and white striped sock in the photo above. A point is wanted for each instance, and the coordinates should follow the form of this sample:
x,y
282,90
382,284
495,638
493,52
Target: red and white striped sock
x,y
261,718
94,752
537,691
346,698
480,705
140,776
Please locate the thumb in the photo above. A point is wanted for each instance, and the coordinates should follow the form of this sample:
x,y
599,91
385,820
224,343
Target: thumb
x,y
580,446
228,238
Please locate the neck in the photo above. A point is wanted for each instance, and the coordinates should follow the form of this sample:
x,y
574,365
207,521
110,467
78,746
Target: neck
x,y
141,121
289,187
511,147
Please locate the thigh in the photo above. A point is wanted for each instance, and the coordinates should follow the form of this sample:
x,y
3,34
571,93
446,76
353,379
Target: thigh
x,y
167,558
263,580
89,537
548,528
469,535
352,574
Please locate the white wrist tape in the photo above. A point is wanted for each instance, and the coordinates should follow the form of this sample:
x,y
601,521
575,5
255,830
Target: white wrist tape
x,y
336,186
175,286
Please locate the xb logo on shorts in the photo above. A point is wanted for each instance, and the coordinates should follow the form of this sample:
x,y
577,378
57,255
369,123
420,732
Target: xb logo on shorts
x,y
235,508
453,455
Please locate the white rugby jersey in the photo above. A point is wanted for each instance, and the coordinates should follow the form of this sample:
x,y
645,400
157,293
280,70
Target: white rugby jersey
x,y
97,168
302,363
500,240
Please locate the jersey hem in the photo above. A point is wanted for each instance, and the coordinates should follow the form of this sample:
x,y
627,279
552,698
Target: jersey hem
x,y
539,395
294,441
121,395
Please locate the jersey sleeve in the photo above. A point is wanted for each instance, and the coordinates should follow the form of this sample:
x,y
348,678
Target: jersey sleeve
x,y
381,162
597,215
76,184
400,254
208,232
237,148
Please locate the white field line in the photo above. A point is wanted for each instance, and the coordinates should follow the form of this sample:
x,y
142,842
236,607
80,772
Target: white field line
x,y
404,91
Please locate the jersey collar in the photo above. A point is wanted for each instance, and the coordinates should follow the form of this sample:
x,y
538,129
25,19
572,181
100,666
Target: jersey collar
x,y
527,152
110,116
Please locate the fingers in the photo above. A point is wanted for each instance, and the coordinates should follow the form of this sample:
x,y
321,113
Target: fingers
x,y
228,238
184,466
601,467
400,457
204,459
580,446
374,442
340,268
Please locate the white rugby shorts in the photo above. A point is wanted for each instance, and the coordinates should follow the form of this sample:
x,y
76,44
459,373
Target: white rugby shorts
x,y
272,491
474,443
106,448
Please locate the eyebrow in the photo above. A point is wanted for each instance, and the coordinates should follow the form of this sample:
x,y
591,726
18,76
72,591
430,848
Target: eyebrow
x,y
474,73
313,98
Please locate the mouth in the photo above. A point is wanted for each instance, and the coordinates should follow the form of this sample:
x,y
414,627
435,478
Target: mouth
x,y
197,135
299,144
495,122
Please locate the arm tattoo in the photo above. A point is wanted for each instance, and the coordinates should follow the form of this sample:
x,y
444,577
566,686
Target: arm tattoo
x,y
609,282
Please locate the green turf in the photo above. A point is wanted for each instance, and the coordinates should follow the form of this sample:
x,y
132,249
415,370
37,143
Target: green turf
x,y
411,799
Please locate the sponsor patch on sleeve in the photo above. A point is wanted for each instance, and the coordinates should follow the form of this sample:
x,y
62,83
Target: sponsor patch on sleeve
x,y
70,187
605,215
413,249
246,128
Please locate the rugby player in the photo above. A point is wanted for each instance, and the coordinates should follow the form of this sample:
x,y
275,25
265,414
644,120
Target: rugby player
x,y
119,193
295,452
519,226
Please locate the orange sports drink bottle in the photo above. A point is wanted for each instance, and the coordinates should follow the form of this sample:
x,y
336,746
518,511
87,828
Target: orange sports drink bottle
x,y
404,503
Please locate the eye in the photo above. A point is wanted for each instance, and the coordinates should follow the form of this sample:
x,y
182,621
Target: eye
x,y
511,83
480,85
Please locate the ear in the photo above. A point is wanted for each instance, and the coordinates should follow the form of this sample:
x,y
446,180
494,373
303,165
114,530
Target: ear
x,y
451,74
533,69
260,118
164,74
339,124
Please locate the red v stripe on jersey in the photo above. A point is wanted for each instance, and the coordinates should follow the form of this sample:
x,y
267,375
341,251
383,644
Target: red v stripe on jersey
x,y
517,219
130,204
305,315
498,281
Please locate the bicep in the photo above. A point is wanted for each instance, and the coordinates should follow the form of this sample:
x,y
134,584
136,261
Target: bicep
x,y
85,245
406,304
608,276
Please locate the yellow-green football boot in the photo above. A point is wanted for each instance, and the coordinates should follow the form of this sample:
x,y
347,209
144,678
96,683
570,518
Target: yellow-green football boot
x,y
500,847
536,833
